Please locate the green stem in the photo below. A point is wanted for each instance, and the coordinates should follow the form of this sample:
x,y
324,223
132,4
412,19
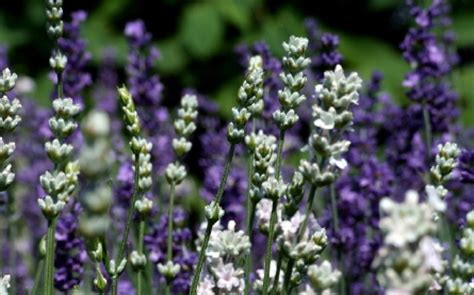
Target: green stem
x,y
50,243
127,225
268,255
169,248
141,236
289,270
200,264
277,274
217,199
271,233
248,261
428,131
38,275
335,218
309,210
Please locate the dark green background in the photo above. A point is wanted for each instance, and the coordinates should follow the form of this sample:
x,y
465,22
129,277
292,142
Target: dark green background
x,y
197,38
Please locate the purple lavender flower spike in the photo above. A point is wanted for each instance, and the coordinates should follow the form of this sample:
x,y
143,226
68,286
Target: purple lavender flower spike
x,y
70,251
146,90
182,255
432,58
76,76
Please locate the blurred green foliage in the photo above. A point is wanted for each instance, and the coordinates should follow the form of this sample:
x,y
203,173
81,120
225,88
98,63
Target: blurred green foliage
x,y
197,38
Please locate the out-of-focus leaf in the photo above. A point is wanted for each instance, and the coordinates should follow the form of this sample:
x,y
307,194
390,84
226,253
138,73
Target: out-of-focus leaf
x,y
463,84
383,4
100,36
11,36
235,12
365,55
201,30
226,97
173,59
463,25
277,28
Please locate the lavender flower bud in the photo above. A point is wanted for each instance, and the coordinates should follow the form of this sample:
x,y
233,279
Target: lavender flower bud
x,y
49,208
98,253
115,270
313,175
228,243
294,80
137,260
273,188
6,177
323,277
169,270
58,62
130,116
4,284
9,114
99,200
54,13
6,150
144,206
7,80
445,162
235,134
251,92
58,153
213,212
100,282
175,173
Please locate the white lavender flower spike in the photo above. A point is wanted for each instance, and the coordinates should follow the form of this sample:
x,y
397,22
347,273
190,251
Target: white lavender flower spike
x,y
7,80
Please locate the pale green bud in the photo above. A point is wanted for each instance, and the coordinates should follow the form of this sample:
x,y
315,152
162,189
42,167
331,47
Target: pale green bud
x,y
7,80
115,270
144,206
235,134
175,173
58,62
213,212
181,146
49,208
169,270
6,150
273,188
137,260
58,153
9,114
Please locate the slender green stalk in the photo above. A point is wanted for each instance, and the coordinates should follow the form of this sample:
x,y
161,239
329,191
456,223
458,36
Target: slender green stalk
x,y
38,275
248,261
428,131
127,225
335,218
218,197
271,233
50,244
141,236
200,264
169,247
268,255
309,210
277,274
289,270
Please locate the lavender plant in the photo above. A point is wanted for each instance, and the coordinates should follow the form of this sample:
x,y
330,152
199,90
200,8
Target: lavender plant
x,y
60,183
319,211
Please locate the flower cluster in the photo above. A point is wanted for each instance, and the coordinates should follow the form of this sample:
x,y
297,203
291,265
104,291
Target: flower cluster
x,y
226,247
249,99
9,120
463,265
294,80
410,253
